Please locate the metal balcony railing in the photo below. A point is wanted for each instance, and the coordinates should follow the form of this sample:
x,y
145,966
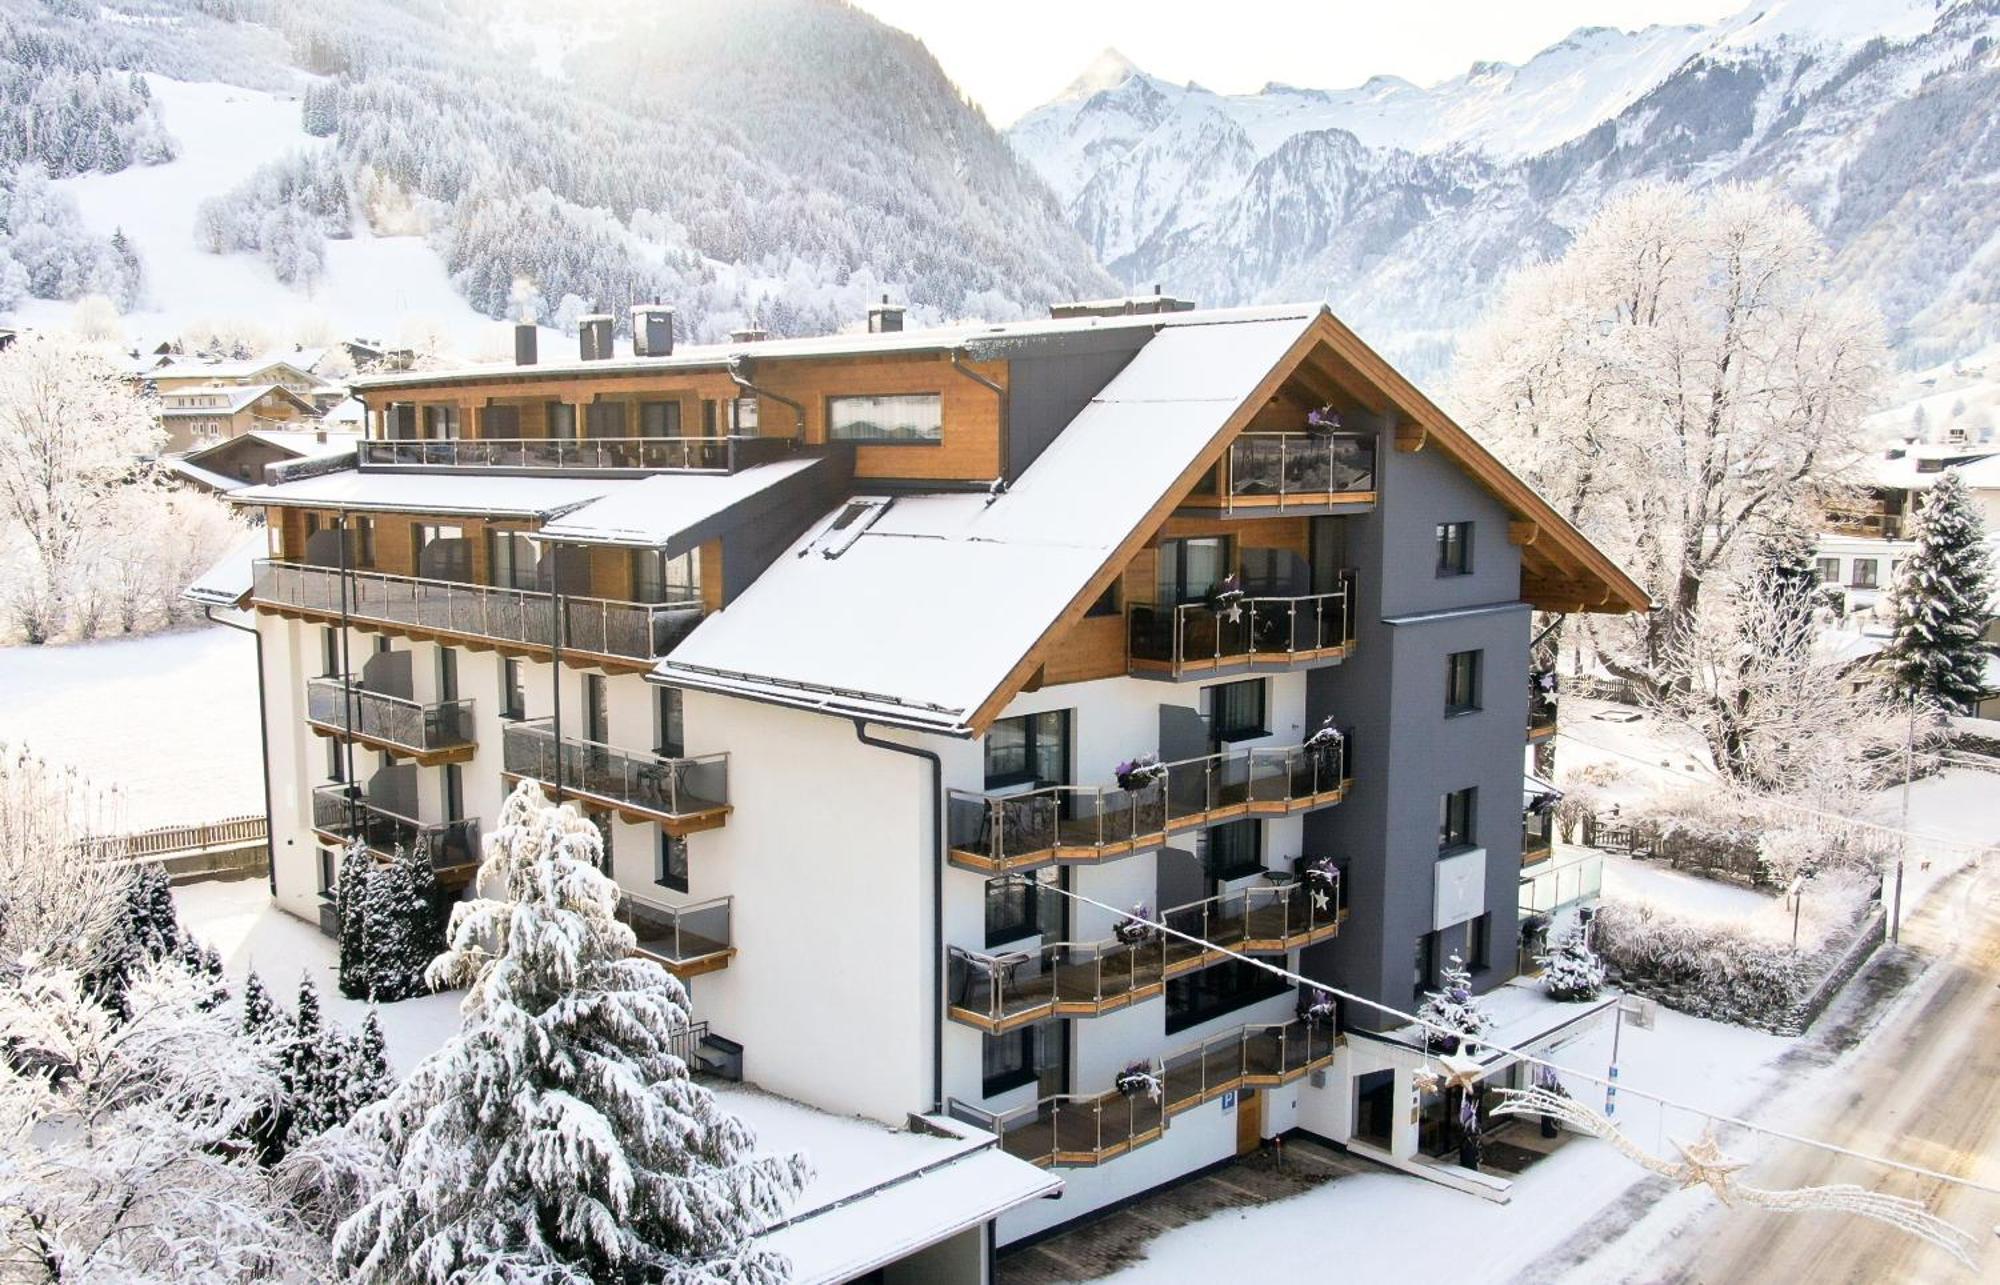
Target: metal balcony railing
x,y
601,626
690,936
577,454
673,789
1000,991
1279,471
1069,1130
1258,919
1537,842
1090,823
342,812
344,705
1250,632
1255,1055
1541,703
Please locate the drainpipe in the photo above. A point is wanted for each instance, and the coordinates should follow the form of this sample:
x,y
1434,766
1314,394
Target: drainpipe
x,y
743,382
1006,407
937,900
264,743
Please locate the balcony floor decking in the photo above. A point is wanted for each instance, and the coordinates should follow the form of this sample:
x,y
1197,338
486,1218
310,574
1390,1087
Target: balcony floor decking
x,y
1081,1135
708,814
696,955
1262,1060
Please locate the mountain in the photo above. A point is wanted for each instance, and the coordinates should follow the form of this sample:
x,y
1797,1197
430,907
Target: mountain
x,y
1407,205
787,161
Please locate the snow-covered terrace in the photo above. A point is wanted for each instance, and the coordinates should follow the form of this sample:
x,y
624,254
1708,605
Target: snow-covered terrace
x,y
1523,1018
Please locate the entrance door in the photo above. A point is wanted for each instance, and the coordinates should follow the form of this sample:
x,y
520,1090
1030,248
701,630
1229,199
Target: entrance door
x,y
1249,1121
1374,1107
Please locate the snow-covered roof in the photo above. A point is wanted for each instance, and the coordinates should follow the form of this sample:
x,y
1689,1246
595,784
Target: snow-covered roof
x,y
190,368
183,467
227,582
441,493
347,411
658,511
879,1194
306,442
236,397
922,615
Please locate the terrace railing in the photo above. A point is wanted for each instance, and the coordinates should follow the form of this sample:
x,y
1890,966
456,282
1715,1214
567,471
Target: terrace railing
x,y
1068,1130
1264,919
577,454
678,936
1000,991
601,626
1258,1054
669,788
393,720
1203,637
1279,471
343,812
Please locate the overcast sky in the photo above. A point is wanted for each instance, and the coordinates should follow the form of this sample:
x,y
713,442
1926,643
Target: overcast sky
x,y
1010,55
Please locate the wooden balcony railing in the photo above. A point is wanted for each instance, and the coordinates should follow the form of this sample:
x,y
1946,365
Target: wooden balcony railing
x,y
1264,474
1204,639
576,455
688,940
1091,823
440,732
1069,1130
342,814
681,794
628,631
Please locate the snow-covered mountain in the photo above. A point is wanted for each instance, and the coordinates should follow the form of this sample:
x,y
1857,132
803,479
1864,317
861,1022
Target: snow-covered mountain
x,y
1407,204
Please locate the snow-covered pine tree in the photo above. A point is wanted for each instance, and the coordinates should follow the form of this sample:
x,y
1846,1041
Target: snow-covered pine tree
x,y
368,1078
1572,971
147,929
350,903
314,1069
1943,589
1452,1005
556,1136
262,1021
404,935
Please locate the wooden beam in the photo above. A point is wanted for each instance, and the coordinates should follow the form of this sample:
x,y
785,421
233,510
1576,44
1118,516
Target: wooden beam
x,y
1522,533
1411,436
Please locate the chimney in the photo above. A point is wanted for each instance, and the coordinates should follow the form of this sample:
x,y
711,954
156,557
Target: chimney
x,y
593,336
319,435
524,344
749,335
653,330
885,320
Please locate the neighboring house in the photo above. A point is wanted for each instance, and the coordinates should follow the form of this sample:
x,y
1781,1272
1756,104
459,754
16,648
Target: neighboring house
x,y
845,643
235,462
1867,535
199,414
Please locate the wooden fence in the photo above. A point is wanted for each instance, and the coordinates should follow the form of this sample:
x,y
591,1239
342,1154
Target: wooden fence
x,y
231,848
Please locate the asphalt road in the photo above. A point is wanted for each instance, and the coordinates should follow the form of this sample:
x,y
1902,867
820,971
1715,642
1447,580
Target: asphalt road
x,y
1925,1089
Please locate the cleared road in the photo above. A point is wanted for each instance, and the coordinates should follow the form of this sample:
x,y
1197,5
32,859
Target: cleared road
x,y
1925,1090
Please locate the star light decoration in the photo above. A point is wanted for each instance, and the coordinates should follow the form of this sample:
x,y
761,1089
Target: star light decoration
x,y
1704,1164
1452,1072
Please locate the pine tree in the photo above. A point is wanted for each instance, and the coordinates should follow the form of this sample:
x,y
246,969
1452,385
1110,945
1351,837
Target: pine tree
x,y
555,1136
1942,593
1453,1007
314,1069
1572,971
148,928
369,1079
350,901
261,1018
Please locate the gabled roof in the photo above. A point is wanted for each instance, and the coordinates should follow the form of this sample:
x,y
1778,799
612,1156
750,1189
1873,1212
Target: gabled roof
x,y
943,606
238,396
301,363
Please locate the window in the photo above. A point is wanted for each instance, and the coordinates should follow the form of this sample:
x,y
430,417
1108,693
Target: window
x,y
1191,570
1235,850
513,689
447,664
336,761
561,420
1028,749
361,542
668,739
596,709
658,578
440,422
1201,996
673,871
1461,684
511,559
501,422
1864,574
1426,964
743,416
659,419
1009,1061
328,867
329,652
1479,944
1013,909
442,552
454,793
1829,569
1455,828
1454,548
1236,710
605,419
902,418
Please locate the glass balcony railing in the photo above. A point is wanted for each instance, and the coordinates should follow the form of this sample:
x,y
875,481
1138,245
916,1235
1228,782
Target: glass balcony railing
x,y
342,812
1088,823
1541,703
1259,919
1000,991
1068,1130
692,938
627,630
1276,472
1255,1055
344,705
1537,841
1206,638
667,789
573,454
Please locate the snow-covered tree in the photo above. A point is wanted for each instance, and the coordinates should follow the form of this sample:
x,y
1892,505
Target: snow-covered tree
x,y
56,903
556,1137
261,1019
351,905
120,1141
1943,597
1572,971
314,1069
1679,384
368,1079
146,929
1452,1005
405,931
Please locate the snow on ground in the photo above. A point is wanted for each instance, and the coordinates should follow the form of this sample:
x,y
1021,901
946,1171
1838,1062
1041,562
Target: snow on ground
x,y
1954,821
372,284
1650,756
1380,1224
170,720
1627,879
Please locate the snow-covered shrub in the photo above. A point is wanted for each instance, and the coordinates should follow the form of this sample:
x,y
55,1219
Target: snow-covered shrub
x,y
1572,971
52,905
45,235
391,922
1585,793
1787,852
286,210
1723,971
1453,1007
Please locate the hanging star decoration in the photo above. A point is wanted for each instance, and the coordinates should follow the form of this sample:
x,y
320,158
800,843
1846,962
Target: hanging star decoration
x,y
1321,902
1451,1072
1704,1164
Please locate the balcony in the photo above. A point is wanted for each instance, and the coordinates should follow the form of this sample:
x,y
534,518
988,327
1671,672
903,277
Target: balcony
x,y
1536,842
1250,1056
1068,1130
603,455
1000,992
1541,704
1267,474
1268,919
1084,824
1250,635
341,815
623,633
687,940
682,795
431,734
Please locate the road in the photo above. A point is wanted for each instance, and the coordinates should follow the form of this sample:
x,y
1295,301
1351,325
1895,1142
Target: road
x,y
1924,1089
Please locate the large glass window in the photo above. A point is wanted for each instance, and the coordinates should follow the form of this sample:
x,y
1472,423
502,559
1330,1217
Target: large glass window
x,y
1235,849
1028,749
1454,541
1828,568
513,688
442,552
596,709
1008,1061
1236,710
560,418
1455,820
1191,570
903,417
673,871
605,419
440,422
1015,909
1461,684
500,422
1208,993
512,558
658,578
670,740
659,419
1864,574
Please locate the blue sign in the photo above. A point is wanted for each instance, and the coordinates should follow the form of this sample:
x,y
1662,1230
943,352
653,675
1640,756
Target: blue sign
x,y
1229,1100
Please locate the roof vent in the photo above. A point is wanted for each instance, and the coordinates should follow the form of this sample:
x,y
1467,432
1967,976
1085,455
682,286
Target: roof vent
x,y
1131,306
653,330
749,335
524,344
885,320
853,520
593,336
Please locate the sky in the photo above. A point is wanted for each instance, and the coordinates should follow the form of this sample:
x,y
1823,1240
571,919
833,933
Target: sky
x,y
1009,57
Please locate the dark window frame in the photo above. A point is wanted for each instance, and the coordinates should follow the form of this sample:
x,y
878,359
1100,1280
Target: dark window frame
x,y
670,724
1454,549
1228,733
1462,682
513,689
1458,821
1244,861
671,862
1195,998
1171,586
1020,900
1036,733
1479,943
1021,1068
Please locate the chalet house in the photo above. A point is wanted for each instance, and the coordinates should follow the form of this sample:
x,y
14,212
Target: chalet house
x,y
897,668
234,462
200,414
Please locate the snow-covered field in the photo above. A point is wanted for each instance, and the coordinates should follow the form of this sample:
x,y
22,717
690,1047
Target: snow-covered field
x,y
170,721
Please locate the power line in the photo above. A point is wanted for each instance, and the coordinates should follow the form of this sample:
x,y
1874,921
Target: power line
x,y
1519,1054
